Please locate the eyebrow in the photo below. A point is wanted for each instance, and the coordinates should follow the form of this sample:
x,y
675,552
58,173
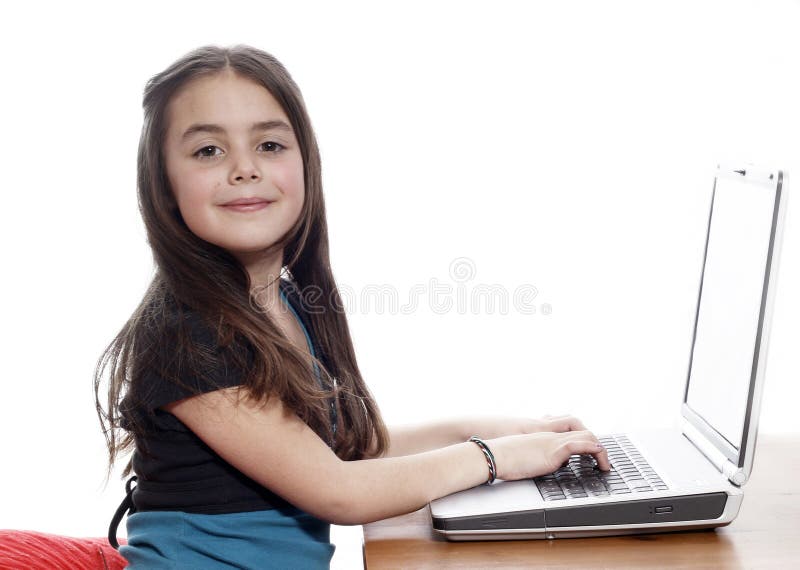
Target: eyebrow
x,y
275,124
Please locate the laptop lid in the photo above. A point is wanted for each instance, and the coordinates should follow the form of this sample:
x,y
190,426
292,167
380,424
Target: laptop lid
x,y
729,345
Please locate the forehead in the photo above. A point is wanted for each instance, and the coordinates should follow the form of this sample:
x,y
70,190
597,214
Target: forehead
x,y
225,99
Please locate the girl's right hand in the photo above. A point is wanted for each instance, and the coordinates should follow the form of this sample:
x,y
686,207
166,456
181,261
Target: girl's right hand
x,y
541,453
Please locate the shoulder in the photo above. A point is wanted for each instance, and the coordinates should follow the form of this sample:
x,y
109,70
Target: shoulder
x,y
181,357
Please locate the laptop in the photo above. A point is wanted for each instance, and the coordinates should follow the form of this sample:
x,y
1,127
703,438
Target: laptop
x,y
690,476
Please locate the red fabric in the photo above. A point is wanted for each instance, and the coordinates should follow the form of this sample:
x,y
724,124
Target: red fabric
x,y
29,550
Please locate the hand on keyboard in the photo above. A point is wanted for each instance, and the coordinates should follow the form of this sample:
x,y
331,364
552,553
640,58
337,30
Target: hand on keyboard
x,y
579,477
531,455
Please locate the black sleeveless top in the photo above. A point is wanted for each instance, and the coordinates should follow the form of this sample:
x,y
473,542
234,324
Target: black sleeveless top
x,y
179,472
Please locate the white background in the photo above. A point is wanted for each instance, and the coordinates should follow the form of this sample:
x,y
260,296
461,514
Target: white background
x,y
565,145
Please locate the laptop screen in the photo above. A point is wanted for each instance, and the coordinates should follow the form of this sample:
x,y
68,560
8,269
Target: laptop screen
x,y
725,350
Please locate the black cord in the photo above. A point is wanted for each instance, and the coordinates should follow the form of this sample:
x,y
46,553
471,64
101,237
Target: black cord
x,y
124,507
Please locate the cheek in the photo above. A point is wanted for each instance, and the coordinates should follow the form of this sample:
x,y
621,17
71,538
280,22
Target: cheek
x,y
291,181
191,195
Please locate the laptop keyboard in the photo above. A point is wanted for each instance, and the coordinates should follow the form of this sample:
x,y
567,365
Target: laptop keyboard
x,y
580,478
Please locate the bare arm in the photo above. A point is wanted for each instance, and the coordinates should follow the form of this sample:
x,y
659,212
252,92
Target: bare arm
x,y
417,438
276,449
265,444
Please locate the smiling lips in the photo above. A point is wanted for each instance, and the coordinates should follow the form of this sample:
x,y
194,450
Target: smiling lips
x,y
247,204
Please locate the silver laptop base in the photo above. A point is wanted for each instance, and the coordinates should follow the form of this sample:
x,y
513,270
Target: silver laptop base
x,y
729,512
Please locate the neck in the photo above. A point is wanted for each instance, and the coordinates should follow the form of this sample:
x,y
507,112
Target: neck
x,y
264,274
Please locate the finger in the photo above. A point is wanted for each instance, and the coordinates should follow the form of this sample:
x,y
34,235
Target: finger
x,y
576,424
566,423
580,434
601,455
592,447
583,437
599,452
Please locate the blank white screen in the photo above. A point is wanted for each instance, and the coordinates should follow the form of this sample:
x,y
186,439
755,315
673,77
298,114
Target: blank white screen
x,y
727,322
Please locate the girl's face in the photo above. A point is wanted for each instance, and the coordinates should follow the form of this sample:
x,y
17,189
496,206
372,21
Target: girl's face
x,y
227,139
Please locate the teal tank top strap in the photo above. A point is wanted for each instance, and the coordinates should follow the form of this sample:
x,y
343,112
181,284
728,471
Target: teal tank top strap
x,y
302,326
310,343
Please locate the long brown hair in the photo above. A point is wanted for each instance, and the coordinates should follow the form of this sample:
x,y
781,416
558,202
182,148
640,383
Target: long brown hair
x,y
192,274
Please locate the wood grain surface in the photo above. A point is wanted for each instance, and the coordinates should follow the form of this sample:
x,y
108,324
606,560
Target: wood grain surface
x,y
766,534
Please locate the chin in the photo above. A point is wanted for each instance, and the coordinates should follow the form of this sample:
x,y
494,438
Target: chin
x,y
239,250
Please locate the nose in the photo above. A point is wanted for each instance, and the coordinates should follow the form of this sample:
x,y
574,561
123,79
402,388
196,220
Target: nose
x,y
244,169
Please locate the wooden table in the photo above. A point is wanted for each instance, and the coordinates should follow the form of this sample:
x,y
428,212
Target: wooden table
x,y
766,534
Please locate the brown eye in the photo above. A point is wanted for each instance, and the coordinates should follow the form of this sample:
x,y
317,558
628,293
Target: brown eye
x,y
204,152
271,146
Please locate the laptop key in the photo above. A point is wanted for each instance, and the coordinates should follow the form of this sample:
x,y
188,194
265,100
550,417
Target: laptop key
x,y
593,485
580,477
607,474
553,496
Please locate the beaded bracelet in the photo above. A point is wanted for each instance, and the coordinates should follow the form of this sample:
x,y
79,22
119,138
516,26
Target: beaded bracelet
x,y
489,458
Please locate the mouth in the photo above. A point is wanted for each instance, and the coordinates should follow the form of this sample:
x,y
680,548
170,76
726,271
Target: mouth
x,y
247,205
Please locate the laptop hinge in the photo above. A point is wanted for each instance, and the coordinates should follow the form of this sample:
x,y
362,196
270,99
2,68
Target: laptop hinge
x,y
714,455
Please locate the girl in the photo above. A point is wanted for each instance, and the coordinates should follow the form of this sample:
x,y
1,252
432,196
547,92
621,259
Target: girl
x,y
235,382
